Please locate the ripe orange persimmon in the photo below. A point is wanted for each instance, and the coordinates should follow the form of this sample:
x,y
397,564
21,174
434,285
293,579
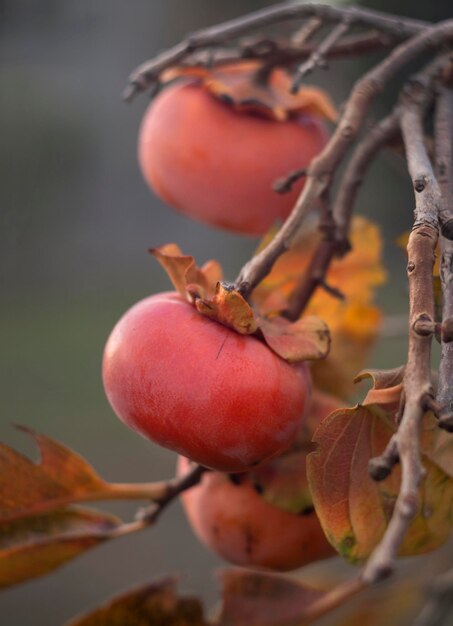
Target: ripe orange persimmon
x,y
217,163
239,519
192,385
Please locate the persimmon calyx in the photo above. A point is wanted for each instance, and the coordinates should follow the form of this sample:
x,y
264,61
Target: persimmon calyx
x,y
305,339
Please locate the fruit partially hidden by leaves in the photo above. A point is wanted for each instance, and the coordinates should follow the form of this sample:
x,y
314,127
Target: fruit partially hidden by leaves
x,y
213,146
190,384
232,519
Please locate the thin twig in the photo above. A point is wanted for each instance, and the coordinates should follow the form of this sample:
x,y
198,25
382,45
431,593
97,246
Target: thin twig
x,y
336,242
174,488
148,73
318,56
306,31
286,54
444,173
417,378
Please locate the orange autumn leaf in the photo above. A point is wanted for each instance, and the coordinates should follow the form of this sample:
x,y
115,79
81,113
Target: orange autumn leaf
x,y
40,529
236,84
354,321
306,339
355,510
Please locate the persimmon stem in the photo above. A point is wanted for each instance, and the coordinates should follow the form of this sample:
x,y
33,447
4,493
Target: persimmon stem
x,y
173,489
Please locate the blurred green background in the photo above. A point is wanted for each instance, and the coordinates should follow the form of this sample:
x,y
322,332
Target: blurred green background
x,y
76,221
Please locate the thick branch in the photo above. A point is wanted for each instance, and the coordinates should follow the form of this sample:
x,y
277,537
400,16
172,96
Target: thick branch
x,y
444,172
323,167
417,378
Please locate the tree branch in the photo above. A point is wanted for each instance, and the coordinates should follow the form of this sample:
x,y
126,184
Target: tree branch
x,y
174,488
444,172
323,167
318,57
335,242
147,74
417,378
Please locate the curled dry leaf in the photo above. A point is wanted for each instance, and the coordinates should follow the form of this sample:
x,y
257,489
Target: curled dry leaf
x,y
353,509
239,86
228,307
258,599
305,339
184,273
156,604
354,322
387,386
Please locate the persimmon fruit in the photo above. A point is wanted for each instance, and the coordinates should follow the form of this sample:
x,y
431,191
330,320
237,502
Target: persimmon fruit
x,y
190,384
240,519
217,164
235,522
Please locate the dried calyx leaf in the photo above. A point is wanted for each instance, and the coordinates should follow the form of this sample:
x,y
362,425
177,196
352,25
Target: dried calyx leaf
x,y
189,280
245,87
157,603
228,307
305,339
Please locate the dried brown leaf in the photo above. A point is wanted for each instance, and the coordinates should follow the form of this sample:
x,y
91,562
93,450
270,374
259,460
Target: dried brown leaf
x,y
260,599
155,604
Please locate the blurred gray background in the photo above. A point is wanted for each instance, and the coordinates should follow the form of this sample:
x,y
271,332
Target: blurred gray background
x,y
75,224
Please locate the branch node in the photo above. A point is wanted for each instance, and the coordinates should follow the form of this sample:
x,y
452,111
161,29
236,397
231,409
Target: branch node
x,y
380,467
286,183
446,422
331,290
424,325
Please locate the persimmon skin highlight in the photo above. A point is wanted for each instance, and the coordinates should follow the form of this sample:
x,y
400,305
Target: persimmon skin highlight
x,y
218,165
236,523
196,387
